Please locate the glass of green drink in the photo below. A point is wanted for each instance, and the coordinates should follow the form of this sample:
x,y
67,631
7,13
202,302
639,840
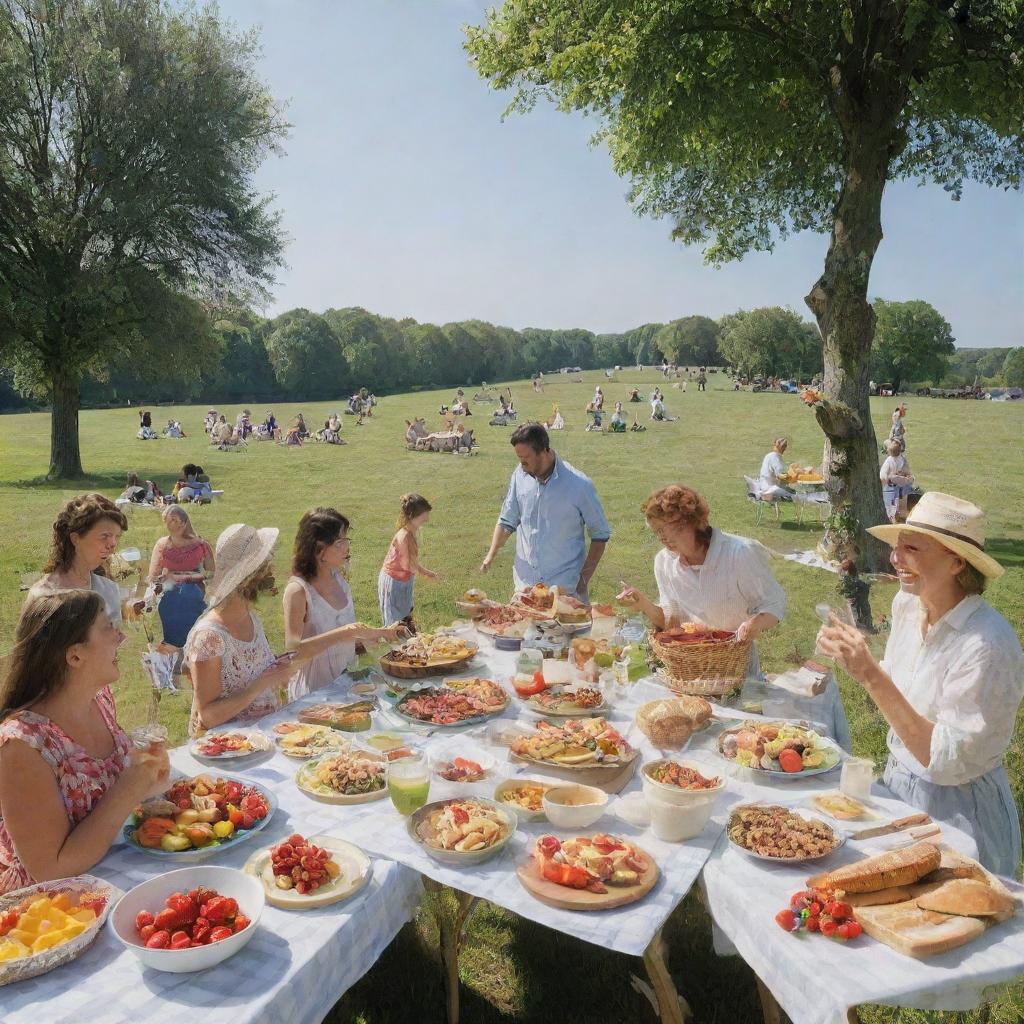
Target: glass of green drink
x,y
409,783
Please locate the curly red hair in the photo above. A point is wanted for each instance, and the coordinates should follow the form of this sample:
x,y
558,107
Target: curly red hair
x,y
679,506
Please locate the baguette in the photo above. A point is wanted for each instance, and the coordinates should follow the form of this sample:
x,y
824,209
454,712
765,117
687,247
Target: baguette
x,y
897,867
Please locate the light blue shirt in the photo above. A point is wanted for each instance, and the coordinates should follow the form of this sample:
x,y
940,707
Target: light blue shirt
x,y
550,520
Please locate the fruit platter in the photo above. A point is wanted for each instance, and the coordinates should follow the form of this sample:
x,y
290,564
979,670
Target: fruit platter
x,y
197,817
226,746
302,873
428,654
47,924
346,777
588,872
457,702
584,700
781,750
524,796
577,743
461,832
303,740
772,832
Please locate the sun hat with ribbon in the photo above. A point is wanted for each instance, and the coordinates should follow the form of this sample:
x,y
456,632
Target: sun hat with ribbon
x,y
954,523
241,551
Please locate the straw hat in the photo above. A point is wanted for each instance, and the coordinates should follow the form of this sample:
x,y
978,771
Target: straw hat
x,y
956,524
241,550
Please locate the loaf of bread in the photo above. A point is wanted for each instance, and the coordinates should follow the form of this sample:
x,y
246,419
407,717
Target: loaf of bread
x,y
897,867
894,894
966,897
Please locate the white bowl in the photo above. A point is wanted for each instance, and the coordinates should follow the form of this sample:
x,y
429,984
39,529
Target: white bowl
x,y
672,823
574,806
681,797
521,812
150,895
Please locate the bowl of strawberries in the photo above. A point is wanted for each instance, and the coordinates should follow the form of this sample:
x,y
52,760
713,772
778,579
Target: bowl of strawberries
x,y
190,919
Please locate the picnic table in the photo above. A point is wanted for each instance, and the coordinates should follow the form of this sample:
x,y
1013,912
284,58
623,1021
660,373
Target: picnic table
x,y
280,975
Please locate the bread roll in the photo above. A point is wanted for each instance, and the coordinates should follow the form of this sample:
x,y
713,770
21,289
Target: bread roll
x,y
897,867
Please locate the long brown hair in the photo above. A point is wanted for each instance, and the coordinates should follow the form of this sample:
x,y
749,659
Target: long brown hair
x,y
410,506
318,529
37,665
79,515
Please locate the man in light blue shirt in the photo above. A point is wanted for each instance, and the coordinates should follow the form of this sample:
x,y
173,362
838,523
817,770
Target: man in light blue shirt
x,y
550,507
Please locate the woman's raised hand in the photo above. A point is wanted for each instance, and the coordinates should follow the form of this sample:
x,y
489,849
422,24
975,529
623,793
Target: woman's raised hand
x,y
396,631
629,596
846,645
148,770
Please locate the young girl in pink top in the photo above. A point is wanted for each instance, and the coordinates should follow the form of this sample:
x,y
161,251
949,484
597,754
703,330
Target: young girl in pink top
x,y
401,566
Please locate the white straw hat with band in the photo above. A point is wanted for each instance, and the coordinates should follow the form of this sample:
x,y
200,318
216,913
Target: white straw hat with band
x,y
953,522
241,550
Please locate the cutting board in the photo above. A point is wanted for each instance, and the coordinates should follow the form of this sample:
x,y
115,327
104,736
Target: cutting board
x,y
611,780
919,933
564,898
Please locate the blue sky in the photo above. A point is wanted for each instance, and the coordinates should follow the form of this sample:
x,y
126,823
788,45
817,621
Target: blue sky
x,y
405,193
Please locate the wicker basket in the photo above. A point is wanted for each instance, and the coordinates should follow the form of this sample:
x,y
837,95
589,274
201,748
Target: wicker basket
x,y
712,668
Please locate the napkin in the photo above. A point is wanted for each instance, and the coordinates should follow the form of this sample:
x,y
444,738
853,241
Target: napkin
x,y
809,680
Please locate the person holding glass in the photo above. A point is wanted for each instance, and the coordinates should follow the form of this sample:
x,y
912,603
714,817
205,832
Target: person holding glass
x,y
951,679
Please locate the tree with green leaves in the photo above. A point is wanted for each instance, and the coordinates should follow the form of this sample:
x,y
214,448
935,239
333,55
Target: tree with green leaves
x,y
745,120
913,342
1013,368
308,361
129,134
691,341
772,341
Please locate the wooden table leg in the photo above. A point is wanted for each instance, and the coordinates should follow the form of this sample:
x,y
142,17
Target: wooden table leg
x,y
672,1007
452,932
770,1009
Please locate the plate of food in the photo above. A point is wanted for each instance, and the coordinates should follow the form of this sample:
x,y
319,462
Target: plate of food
x,y
302,873
588,872
576,743
302,740
780,750
462,831
461,767
540,602
502,623
428,654
773,832
196,817
47,924
457,702
841,807
566,703
474,603
345,777
351,717
227,746
524,796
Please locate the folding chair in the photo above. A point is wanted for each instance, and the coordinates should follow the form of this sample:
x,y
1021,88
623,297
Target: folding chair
x,y
754,495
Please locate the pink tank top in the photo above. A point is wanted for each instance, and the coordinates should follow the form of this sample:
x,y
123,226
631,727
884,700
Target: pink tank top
x,y
186,558
82,778
395,564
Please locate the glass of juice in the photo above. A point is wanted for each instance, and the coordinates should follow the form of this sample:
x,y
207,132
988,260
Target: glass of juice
x,y
409,782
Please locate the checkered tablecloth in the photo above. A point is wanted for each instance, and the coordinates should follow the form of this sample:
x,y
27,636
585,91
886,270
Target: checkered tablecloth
x,y
293,971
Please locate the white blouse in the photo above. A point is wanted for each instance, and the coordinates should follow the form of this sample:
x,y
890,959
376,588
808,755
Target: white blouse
x,y
893,467
102,585
965,675
734,584
772,468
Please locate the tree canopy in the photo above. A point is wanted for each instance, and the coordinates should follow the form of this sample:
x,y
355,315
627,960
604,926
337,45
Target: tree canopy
x,y
129,134
772,341
742,121
913,342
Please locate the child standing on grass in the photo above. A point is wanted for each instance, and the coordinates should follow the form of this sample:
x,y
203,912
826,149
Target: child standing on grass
x,y
401,566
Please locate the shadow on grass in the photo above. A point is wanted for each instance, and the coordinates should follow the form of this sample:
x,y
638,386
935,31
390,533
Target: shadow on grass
x,y
1009,551
102,482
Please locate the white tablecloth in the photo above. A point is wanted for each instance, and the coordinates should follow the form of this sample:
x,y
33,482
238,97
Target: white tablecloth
x,y
293,971
815,979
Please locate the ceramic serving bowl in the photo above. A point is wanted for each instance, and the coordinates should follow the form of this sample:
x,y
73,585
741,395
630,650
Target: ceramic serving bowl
x,y
574,806
150,895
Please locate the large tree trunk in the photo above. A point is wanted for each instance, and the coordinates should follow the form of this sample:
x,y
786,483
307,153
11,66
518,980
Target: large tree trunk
x,y
65,455
839,301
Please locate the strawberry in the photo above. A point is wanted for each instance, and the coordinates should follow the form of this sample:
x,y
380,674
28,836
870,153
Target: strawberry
x,y
248,820
786,920
219,909
142,918
146,932
241,921
828,928
166,920
220,932
201,931
178,936
159,940
183,906
295,840
853,929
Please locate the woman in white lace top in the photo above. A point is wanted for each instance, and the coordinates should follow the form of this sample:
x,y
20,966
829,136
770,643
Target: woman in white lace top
x,y
235,673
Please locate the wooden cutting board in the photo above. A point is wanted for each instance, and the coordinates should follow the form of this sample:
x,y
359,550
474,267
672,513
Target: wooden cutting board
x,y
919,933
611,780
564,898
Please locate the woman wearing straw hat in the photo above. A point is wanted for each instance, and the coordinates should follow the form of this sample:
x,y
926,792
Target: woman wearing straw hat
x,y
951,679
235,673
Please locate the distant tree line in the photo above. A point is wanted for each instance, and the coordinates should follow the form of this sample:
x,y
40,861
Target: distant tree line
x,y
302,355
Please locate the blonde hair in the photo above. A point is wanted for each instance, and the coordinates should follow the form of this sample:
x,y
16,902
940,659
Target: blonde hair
x,y
780,442
177,510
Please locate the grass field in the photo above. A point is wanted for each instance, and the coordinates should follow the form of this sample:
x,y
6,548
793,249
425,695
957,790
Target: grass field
x,y
514,971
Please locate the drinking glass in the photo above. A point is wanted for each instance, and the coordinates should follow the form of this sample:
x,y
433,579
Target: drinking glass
x,y
409,782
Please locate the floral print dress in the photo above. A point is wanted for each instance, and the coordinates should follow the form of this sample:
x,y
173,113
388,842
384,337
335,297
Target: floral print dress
x,y
83,779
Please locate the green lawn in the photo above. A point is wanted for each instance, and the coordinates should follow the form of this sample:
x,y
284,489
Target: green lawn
x,y
514,971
